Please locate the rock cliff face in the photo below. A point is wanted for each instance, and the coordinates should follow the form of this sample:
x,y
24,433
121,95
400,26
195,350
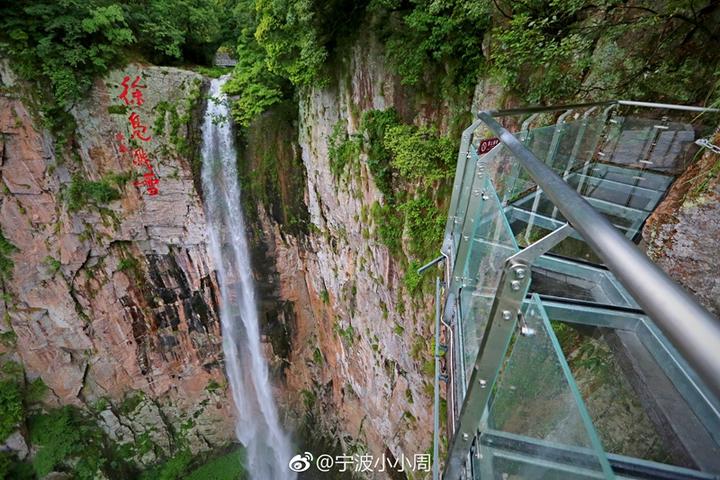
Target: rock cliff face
x,y
360,344
681,234
114,301
115,304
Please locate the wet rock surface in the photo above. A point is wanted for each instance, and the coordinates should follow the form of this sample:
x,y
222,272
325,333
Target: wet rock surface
x,y
120,297
681,234
349,367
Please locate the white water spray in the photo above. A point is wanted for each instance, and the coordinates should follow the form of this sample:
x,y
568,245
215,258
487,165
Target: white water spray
x,y
257,426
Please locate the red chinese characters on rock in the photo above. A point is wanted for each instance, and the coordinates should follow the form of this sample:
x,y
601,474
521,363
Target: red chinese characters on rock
x,y
139,132
121,142
150,180
137,96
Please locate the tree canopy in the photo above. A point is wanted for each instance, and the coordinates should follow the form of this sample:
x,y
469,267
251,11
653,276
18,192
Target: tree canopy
x,y
67,43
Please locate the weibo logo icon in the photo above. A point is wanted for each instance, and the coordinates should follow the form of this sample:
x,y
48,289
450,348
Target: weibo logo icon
x,y
300,463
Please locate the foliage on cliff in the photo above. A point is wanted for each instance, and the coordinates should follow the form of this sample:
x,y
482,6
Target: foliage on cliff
x,y
540,50
6,263
549,51
70,440
412,167
283,45
65,44
428,39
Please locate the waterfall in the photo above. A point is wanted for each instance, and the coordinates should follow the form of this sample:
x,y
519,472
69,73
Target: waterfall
x,y
257,426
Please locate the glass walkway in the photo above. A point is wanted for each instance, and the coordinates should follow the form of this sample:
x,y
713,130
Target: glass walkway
x,y
561,350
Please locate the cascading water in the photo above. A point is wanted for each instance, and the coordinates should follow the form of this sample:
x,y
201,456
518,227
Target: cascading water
x,y
257,426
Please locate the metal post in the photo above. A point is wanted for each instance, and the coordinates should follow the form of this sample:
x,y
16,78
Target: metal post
x,y
578,141
436,408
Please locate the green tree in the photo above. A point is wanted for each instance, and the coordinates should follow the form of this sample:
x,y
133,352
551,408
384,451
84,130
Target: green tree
x,y
12,411
438,36
287,32
65,42
255,86
173,30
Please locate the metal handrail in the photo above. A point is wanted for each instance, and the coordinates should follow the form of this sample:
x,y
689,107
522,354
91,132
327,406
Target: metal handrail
x,y
631,103
693,330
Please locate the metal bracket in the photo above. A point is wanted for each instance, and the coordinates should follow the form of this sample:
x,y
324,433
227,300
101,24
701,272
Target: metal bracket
x,y
511,291
528,121
524,329
431,263
530,253
706,143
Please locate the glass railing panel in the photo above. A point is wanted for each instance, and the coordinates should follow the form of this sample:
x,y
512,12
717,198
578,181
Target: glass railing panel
x,y
536,399
511,180
463,201
564,148
565,137
491,244
587,143
652,144
538,141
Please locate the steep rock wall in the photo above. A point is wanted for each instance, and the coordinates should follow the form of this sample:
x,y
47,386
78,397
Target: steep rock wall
x,y
681,234
360,344
115,301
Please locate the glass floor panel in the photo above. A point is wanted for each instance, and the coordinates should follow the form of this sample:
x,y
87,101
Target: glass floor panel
x,y
527,233
641,178
619,193
567,279
620,216
644,401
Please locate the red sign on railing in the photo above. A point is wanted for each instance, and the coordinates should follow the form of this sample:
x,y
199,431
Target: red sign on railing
x,y
487,145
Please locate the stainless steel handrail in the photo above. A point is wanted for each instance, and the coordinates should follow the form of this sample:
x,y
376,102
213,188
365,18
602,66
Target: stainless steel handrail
x,y
689,326
544,108
666,106
631,103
